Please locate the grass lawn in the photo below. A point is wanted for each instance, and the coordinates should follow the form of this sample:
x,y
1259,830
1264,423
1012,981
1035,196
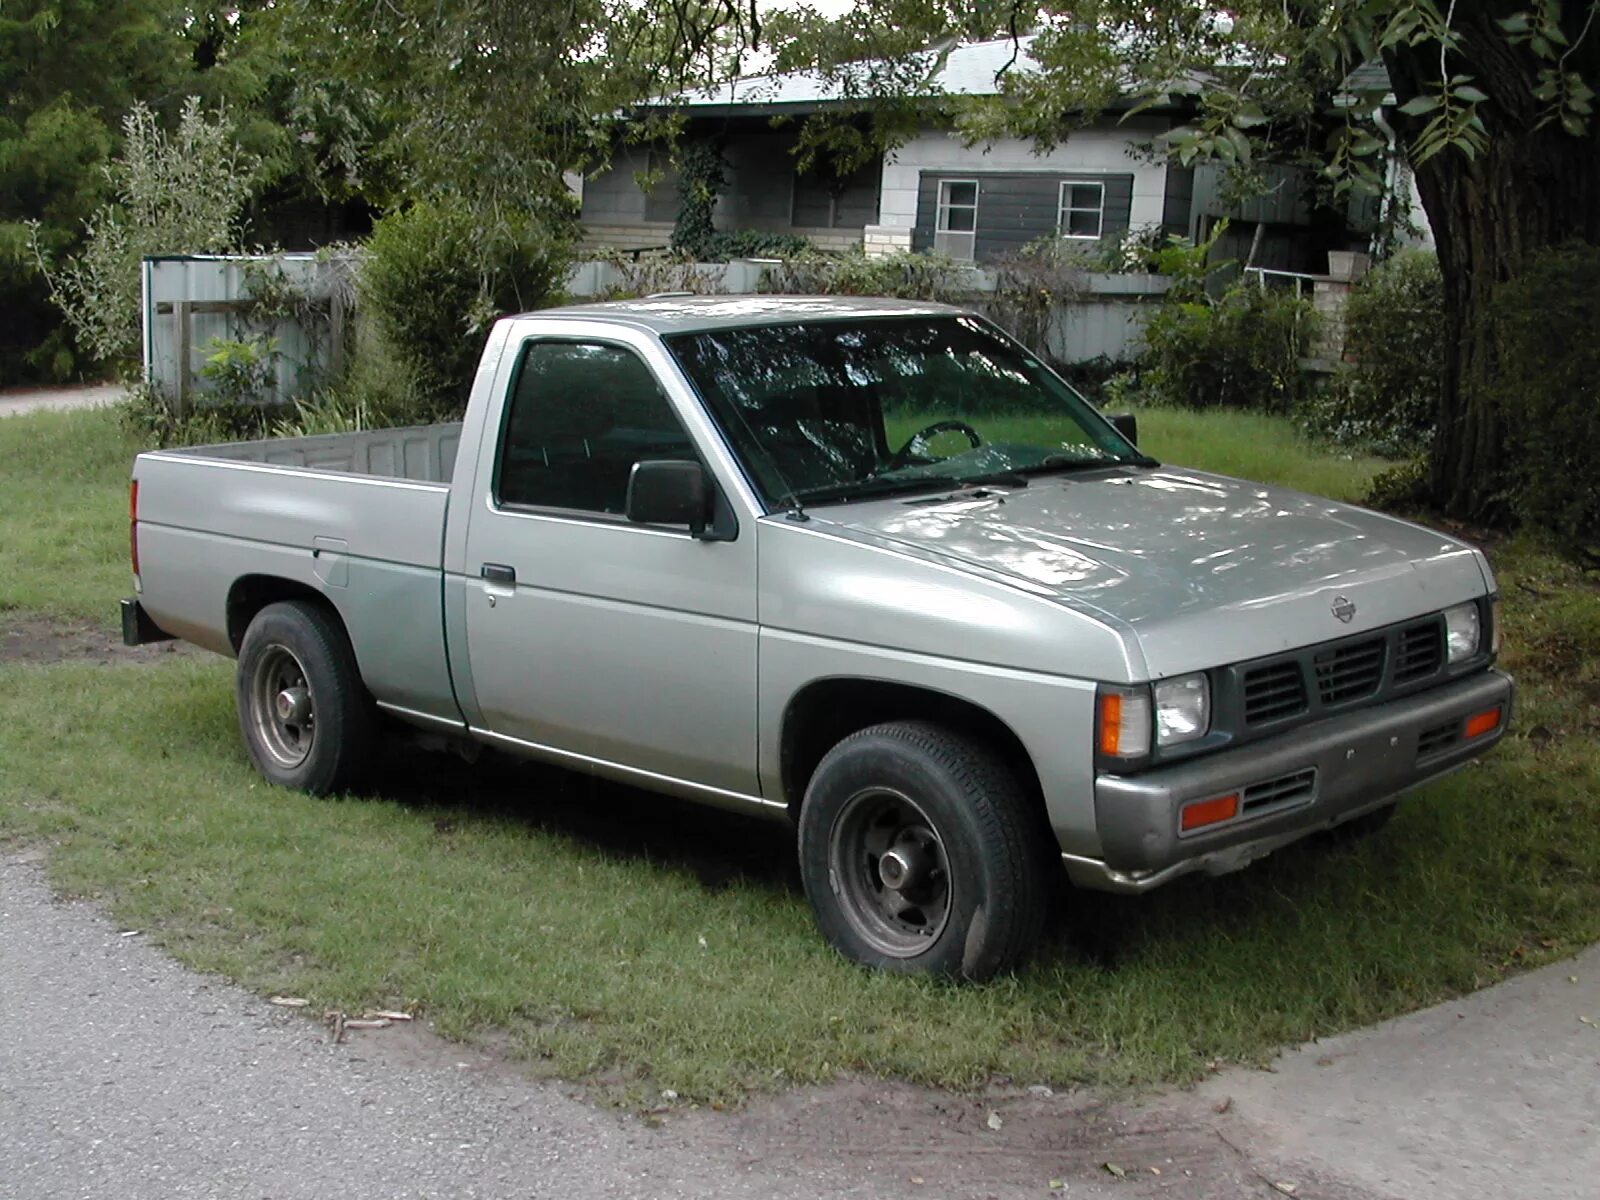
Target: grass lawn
x,y
641,944
64,514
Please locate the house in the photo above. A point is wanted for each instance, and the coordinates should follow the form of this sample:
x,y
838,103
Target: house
x,y
975,203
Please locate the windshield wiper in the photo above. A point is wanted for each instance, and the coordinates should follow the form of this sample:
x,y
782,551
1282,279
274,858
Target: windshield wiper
x,y
1057,464
860,489
887,485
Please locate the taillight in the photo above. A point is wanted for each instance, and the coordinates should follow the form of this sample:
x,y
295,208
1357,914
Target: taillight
x,y
133,527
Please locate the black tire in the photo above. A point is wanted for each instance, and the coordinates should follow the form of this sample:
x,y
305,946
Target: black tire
x,y
925,802
306,718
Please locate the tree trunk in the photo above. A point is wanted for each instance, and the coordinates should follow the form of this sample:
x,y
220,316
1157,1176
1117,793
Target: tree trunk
x,y
1532,188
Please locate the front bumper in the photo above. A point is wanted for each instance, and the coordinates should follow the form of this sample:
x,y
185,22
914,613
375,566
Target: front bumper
x,y
1309,779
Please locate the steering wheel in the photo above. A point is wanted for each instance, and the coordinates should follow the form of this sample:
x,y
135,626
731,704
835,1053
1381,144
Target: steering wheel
x,y
919,439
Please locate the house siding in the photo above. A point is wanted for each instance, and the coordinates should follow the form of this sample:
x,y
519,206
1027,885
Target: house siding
x,y
1110,149
1015,208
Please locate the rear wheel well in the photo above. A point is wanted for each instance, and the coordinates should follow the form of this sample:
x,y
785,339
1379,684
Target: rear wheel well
x,y
251,593
826,712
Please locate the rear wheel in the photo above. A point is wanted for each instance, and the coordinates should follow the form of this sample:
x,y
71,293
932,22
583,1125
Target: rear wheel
x,y
306,718
920,853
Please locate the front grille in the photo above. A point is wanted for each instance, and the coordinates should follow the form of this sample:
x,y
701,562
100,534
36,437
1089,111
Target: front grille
x,y
1280,792
1273,692
1418,652
1349,672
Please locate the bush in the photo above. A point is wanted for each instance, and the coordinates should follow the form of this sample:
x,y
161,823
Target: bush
x,y
1544,335
751,243
654,273
434,279
1387,398
151,421
933,277
183,194
1239,350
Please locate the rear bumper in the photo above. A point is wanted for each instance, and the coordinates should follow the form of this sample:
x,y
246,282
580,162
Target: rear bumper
x,y
137,627
1309,779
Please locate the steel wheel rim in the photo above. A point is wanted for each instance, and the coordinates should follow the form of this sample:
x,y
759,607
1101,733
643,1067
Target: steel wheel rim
x,y
281,706
890,871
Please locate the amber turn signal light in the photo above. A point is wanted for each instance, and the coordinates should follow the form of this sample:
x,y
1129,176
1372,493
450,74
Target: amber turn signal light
x,y
1209,812
1485,722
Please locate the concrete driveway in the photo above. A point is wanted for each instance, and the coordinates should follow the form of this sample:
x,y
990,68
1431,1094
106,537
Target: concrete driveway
x,y
124,1075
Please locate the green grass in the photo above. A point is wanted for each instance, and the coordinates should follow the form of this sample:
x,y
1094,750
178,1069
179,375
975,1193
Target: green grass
x,y
641,944
1249,445
647,944
64,514
1253,446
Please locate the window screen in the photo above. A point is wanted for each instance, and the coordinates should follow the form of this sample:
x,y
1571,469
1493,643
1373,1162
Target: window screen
x,y
1082,210
581,415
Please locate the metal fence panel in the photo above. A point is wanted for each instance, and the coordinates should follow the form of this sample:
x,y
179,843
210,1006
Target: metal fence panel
x,y
173,362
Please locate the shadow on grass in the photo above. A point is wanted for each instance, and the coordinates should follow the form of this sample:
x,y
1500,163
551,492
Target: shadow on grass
x,y
723,849
718,847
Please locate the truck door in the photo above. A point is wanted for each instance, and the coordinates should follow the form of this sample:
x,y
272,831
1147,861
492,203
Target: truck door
x,y
589,637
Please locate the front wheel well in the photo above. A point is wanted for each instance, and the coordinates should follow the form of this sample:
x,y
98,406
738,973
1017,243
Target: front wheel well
x,y
827,711
251,593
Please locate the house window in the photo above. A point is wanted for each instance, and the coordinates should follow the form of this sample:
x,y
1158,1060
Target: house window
x,y
955,230
1081,212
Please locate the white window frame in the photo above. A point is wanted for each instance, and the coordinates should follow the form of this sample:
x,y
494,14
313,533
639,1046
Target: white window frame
x,y
941,217
1063,208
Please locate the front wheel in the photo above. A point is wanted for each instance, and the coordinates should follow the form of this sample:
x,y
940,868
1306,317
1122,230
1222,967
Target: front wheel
x,y
920,854
307,720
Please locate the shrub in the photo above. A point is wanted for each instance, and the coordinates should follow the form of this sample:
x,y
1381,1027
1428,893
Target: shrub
x,y
1386,398
751,243
934,277
1030,286
182,194
151,421
1544,334
1239,350
654,273
240,369
434,279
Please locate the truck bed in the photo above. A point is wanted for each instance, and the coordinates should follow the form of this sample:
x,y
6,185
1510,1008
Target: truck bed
x,y
422,453
357,518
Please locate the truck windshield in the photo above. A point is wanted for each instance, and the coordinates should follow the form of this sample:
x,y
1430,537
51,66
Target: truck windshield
x,y
849,409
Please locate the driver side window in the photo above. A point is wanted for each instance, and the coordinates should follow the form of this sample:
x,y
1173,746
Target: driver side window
x,y
580,415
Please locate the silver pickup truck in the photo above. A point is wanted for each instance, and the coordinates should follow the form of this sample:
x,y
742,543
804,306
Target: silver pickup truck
x,y
865,566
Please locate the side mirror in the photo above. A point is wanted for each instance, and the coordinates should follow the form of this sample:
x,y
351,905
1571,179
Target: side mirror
x,y
668,492
1127,424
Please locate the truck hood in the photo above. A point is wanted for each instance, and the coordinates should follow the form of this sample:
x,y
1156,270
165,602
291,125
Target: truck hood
x,y
1202,569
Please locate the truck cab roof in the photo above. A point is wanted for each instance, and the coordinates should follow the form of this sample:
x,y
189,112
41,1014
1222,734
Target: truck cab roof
x,y
673,313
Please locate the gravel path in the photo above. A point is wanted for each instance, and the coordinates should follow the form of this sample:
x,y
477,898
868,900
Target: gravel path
x,y
16,402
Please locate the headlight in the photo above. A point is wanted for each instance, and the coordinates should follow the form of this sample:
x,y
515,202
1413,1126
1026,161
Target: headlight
x,y
1183,709
1461,633
1124,722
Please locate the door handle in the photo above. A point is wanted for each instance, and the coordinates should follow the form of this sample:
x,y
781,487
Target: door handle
x,y
499,573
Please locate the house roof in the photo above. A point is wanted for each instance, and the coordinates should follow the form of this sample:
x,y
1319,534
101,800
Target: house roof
x,y
973,69
1371,78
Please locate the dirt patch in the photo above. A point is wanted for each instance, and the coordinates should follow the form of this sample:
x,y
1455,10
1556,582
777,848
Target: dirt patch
x,y
1005,1142
44,640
